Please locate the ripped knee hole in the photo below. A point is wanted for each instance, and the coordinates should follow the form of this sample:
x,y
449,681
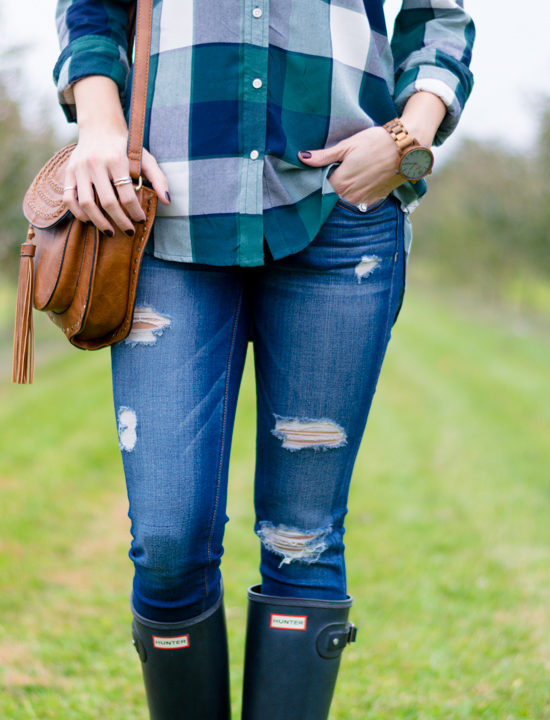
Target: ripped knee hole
x,y
297,433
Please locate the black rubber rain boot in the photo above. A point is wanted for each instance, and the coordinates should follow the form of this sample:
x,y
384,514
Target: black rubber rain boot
x,y
293,648
185,666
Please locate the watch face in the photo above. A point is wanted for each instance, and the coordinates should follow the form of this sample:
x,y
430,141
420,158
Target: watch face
x,y
416,163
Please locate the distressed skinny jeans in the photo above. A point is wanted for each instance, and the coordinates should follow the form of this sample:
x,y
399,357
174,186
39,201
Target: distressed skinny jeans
x,y
319,322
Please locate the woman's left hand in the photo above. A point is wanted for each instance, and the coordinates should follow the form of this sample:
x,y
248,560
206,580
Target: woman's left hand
x,y
367,172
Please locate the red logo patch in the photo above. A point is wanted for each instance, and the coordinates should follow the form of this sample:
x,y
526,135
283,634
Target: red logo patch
x,y
288,622
171,643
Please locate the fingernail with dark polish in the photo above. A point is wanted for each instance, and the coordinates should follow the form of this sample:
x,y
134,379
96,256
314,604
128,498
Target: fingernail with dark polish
x,y
304,153
130,233
109,233
167,196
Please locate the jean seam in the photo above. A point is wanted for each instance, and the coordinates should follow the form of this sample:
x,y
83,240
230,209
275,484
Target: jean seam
x,y
222,439
404,219
399,229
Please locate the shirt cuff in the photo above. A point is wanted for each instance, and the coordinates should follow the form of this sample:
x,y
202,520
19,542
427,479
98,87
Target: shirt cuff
x,y
452,88
89,55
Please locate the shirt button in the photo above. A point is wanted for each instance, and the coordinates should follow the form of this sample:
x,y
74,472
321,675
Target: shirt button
x,y
257,12
257,83
254,154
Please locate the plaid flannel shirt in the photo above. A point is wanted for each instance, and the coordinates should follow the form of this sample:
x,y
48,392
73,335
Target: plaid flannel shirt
x,y
237,88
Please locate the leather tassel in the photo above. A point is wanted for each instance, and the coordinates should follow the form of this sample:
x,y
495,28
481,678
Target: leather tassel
x,y
23,335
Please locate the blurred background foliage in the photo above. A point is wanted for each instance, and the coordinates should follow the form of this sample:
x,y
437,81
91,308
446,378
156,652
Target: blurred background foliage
x,y
23,149
485,222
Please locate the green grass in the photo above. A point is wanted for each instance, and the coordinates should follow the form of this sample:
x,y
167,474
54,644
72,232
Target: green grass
x,y
448,541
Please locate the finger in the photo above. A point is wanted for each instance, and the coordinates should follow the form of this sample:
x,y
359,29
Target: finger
x,y
109,202
129,200
70,196
87,202
126,193
341,183
324,156
151,169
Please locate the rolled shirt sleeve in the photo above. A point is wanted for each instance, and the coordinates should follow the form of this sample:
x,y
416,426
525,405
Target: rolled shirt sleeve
x,y
93,39
432,48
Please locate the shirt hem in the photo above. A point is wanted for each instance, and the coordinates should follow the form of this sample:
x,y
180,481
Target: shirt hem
x,y
252,262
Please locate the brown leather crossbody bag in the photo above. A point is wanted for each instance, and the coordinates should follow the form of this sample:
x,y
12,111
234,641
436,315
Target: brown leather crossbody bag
x,y
84,280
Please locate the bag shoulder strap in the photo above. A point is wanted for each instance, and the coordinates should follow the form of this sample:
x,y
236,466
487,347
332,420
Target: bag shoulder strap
x,y
139,86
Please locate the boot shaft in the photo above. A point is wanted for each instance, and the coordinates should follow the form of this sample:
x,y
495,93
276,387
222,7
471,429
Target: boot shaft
x,y
293,650
185,666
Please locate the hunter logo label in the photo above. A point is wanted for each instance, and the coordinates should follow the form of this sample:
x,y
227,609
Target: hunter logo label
x,y
288,622
171,643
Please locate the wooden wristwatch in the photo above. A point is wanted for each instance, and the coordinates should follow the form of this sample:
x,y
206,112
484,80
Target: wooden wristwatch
x,y
415,160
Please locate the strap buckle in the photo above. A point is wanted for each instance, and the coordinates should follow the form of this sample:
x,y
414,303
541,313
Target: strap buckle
x,y
334,638
352,633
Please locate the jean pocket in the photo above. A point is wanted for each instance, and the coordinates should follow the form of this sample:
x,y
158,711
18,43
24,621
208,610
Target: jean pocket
x,y
348,205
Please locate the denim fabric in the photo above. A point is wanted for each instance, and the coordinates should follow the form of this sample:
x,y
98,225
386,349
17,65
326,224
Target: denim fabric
x,y
319,321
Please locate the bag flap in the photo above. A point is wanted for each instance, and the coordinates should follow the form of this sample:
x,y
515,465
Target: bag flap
x,y
43,204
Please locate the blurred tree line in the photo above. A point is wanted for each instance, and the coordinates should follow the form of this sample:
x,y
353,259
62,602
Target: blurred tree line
x,y
23,150
485,222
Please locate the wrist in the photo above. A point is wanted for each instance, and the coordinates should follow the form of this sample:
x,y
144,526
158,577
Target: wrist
x,y
98,104
419,129
415,158
423,115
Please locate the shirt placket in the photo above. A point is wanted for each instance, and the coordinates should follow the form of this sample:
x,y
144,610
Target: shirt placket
x,y
253,122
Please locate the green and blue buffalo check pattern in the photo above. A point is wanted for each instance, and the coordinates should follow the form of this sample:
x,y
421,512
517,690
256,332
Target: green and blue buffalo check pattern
x,y
237,87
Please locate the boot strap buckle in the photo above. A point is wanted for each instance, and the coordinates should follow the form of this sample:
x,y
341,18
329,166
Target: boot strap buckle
x,y
334,638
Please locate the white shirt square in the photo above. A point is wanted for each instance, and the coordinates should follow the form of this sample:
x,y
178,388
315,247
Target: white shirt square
x,y
350,35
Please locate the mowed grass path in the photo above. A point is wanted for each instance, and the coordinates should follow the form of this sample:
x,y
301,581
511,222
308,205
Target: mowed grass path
x,y
448,535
